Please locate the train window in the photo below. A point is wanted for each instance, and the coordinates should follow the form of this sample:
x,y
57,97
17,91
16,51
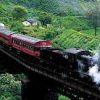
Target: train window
x,y
36,48
24,45
17,42
20,43
32,48
13,41
28,46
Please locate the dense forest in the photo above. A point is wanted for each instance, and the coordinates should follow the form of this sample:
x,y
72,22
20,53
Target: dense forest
x,y
67,23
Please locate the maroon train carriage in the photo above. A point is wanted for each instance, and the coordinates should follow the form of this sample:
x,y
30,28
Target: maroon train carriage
x,y
5,36
29,45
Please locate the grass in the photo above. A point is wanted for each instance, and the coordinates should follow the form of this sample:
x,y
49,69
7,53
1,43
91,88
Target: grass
x,y
91,32
63,98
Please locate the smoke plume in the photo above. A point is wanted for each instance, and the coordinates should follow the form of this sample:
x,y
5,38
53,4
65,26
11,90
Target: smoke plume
x,y
95,73
94,70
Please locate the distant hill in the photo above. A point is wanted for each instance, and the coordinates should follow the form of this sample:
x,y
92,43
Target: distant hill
x,y
55,6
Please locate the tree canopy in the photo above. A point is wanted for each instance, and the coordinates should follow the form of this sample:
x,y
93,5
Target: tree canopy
x,y
19,12
10,89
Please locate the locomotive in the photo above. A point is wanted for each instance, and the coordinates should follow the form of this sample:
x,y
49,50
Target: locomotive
x,y
71,62
74,62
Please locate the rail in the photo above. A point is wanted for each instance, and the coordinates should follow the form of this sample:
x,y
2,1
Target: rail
x,y
66,82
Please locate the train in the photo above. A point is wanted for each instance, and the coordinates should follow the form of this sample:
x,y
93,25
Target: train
x,y
23,43
73,62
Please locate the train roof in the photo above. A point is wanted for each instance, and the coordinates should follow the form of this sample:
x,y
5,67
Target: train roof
x,y
73,50
26,38
77,51
5,31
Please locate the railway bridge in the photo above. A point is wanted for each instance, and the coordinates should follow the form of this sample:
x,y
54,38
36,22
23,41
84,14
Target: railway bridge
x,y
44,84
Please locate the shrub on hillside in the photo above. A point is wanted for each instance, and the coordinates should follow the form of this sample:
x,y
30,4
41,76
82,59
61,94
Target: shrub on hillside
x,y
71,22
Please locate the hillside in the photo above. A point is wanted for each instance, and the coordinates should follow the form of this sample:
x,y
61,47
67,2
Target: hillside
x,y
72,38
55,6
64,22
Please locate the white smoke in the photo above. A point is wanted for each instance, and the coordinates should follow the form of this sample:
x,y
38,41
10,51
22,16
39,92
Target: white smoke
x,y
94,70
96,58
95,73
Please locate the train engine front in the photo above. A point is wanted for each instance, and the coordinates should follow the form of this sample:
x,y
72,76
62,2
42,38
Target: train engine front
x,y
57,60
67,62
83,57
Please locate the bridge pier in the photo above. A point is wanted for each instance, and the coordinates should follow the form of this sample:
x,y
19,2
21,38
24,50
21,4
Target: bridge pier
x,y
38,91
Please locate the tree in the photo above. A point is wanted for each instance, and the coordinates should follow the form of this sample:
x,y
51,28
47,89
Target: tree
x,y
10,89
45,18
93,16
51,6
19,12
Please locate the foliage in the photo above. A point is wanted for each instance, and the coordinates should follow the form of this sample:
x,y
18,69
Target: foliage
x,y
90,32
19,12
75,23
93,16
71,22
63,98
45,18
72,38
51,33
9,88
63,31
46,5
16,26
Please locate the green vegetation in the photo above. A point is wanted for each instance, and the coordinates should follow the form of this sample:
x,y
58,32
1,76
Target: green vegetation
x,y
90,32
10,87
63,98
19,12
67,23
45,18
72,38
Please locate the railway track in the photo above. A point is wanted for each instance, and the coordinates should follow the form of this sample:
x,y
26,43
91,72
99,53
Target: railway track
x,y
65,86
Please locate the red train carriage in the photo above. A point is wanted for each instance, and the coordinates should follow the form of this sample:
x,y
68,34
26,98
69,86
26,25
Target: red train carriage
x,y
5,36
29,45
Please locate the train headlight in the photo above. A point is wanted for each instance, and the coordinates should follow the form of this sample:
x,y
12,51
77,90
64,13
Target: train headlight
x,y
66,56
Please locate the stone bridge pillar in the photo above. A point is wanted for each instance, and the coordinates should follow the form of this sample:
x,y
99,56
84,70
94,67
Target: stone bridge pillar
x,y
32,90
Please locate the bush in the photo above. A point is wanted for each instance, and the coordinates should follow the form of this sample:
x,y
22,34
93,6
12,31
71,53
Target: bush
x,y
10,89
50,33
71,22
19,12
45,18
16,26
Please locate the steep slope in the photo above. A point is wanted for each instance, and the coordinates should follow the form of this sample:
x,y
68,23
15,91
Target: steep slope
x,y
72,38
